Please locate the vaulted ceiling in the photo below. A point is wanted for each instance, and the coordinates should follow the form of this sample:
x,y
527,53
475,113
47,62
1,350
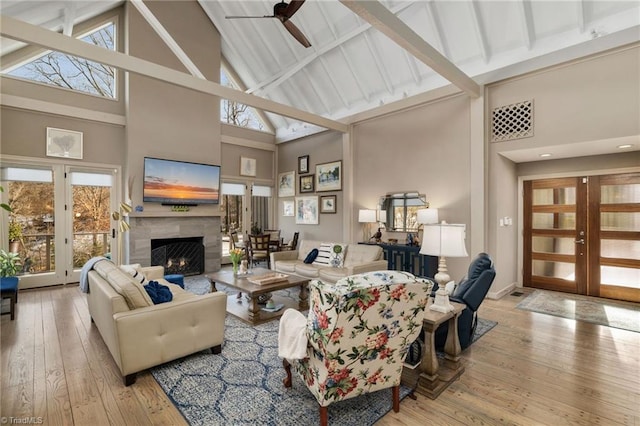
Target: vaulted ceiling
x,y
360,60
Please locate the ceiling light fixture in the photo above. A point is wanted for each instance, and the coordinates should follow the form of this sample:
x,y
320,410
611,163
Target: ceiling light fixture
x,y
627,145
546,154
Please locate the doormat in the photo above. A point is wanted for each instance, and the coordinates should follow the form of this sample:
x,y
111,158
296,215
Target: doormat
x,y
596,310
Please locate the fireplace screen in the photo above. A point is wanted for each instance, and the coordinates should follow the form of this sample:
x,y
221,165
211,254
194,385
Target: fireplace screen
x,y
178,255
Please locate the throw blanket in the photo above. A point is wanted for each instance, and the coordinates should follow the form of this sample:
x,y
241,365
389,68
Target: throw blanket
x,y
84,272
292,335
158,293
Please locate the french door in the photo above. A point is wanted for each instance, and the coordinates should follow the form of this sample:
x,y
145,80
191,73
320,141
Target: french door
x,y
582,235
62,213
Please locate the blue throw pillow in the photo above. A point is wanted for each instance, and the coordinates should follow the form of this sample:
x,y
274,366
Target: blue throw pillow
x,y
311,256
158,293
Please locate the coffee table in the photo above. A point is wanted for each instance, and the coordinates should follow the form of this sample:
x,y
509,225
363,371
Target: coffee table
x,y
249,310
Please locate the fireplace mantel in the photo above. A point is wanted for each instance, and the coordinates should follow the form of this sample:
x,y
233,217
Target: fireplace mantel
x,y
145,228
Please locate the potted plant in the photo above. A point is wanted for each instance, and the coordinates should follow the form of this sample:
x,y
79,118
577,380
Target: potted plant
x,y
9,264
15,235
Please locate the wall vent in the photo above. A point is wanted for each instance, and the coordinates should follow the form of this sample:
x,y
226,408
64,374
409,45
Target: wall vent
x,y
513,121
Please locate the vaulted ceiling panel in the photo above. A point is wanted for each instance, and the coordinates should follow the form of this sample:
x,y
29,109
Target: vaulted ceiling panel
x,y
352,66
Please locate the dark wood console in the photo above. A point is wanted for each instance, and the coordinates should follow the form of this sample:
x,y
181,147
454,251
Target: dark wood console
x,y
401,257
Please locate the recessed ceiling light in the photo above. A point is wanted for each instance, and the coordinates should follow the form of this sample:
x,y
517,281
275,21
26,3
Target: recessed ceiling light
x,y
627,145
546,154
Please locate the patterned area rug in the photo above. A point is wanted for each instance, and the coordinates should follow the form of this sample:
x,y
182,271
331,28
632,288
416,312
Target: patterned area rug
x,y
596,310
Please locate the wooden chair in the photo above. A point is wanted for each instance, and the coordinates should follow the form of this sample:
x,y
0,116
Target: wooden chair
x,y
293,244
234,242
274,239
259,248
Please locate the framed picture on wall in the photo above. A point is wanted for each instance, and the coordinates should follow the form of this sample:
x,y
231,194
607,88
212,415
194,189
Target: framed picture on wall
x,y
247,166
307,210
328,204
303,164
329,176
64,143
287,184
306,183
288,208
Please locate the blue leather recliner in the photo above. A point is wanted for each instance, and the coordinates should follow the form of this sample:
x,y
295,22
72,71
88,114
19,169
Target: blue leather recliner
x,y
471,291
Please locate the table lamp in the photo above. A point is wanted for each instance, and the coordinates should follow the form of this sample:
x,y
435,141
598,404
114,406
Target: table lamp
x,y
425,217
443,240
367,217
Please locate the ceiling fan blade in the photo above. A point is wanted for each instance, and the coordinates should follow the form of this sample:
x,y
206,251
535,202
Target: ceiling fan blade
x,y
292,8
243,17
295,32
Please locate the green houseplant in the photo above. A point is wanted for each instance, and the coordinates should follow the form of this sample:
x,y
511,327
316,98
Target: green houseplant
x,y
9,264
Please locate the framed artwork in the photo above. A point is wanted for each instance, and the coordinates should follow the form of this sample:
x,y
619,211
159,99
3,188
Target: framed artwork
x,y
328,204
329,176
306,183
287,184
307,210
288,208
303,164
247,166
64,143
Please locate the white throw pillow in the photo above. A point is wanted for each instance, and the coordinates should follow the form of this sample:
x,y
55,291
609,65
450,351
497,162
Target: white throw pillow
x,y
135,273
324,255
336,258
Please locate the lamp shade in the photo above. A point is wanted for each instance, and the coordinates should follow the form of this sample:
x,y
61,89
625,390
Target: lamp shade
x,y
427,216
444,239
366,216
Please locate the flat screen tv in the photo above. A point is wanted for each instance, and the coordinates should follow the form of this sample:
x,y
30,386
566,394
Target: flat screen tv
x,y
180,183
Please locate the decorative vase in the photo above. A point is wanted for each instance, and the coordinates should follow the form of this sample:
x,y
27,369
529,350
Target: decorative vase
x,y
235,268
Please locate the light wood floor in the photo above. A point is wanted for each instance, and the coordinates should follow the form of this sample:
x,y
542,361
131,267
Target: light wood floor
x,y
530,369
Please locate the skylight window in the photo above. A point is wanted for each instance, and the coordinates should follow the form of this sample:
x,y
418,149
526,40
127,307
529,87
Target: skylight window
x,y
71,72
236,113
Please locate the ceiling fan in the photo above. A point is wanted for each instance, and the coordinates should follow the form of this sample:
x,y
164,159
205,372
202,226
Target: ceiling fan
x,y
284,11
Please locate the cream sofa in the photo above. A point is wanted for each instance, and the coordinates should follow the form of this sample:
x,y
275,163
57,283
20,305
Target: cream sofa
x,y
358,258
141,335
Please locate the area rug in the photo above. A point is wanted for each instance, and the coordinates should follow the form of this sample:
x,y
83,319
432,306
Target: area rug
x,y
243,386
624,315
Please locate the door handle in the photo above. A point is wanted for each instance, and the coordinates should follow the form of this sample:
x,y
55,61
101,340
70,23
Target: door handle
x,y
580,241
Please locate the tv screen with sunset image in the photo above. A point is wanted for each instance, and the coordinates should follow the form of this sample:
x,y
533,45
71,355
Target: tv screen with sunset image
x,y
180,182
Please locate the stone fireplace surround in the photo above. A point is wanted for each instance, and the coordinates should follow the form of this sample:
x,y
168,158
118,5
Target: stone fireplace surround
x,y
146,228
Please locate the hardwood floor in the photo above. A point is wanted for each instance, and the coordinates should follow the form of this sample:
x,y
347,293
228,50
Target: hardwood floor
x,y
530,369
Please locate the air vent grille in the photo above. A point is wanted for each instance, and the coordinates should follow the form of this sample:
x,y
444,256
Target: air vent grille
x,y
513,121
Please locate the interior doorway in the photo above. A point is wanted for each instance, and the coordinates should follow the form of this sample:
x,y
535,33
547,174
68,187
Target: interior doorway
x,y
582,235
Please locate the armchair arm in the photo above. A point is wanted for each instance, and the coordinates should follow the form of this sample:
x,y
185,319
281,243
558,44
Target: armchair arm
x,y
283,255
160,333
477,292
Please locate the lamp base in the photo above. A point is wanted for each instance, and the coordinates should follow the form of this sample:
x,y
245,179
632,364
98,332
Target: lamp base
x,y
441,302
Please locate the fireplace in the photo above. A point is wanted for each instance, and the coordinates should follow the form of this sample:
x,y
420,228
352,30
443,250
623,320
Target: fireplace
x,y
178,255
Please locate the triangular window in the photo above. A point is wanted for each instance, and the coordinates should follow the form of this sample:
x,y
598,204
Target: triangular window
x,y
71,72
236,113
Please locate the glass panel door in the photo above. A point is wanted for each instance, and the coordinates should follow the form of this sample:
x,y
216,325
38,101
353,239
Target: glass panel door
x,y
91,206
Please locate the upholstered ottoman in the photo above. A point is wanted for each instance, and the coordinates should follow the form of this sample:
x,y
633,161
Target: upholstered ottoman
x,y
175,279
9,290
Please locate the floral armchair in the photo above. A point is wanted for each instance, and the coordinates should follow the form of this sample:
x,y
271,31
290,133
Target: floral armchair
x,y
358,333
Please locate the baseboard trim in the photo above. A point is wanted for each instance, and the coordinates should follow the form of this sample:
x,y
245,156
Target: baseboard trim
x,y
499,294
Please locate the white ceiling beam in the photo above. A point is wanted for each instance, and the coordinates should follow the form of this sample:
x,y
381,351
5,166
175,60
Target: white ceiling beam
x,y
166,37
389,24
277,79
528,34
69,17
478,28
32,34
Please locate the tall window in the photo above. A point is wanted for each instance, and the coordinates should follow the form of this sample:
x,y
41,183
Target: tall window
x,y
236,113
71,72
260,196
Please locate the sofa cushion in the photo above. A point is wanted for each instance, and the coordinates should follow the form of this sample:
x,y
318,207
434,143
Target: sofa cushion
x,y
362,253
305,247
133,292
307,270
288,266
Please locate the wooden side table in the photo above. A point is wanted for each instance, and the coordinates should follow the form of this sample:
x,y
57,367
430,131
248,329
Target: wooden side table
x,y
430,378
